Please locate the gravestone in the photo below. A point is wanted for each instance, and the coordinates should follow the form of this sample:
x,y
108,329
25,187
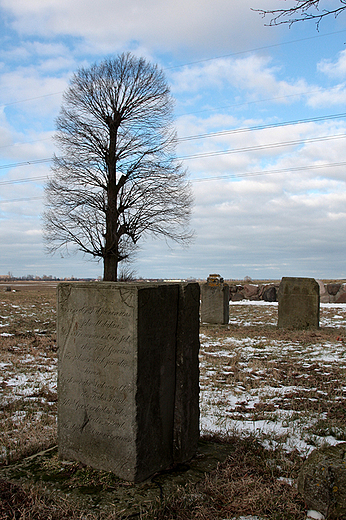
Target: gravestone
x,y
299,303
215,301
128,375
322,481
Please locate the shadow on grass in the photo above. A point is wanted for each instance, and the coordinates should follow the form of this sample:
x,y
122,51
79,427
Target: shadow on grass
x,y
230,476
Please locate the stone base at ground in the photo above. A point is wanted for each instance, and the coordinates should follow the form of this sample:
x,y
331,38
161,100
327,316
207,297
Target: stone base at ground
x,y
322,481
128,375
111,498
299,303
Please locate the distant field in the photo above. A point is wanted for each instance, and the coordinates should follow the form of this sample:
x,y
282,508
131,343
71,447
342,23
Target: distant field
x,y
288,388
285,390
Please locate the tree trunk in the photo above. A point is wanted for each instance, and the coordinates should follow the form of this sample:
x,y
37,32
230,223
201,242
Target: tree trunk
x,y
110,268
111,258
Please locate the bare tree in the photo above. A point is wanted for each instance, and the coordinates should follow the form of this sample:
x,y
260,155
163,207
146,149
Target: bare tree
x,y
118,178
302,10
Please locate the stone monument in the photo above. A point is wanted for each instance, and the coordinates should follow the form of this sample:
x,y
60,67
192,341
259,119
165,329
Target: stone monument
x,y
128,377
299,303
322,481
215,301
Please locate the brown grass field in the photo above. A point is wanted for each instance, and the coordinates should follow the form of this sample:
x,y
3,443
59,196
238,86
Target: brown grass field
x,y
269,395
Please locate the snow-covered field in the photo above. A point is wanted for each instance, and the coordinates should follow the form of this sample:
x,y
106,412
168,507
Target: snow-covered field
x,y
287,388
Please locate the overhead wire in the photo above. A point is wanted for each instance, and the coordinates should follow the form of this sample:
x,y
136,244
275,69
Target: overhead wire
x,y
222,177
213,58
270,172
255,49
262,127
214,153
212,134
260,147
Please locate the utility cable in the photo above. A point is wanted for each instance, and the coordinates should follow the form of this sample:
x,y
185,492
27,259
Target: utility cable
x,y
260,147
199,61
261,127
216,178
214,153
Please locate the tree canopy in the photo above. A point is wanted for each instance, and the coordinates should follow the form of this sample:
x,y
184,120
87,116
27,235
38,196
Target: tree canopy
x,y
303,10
117,179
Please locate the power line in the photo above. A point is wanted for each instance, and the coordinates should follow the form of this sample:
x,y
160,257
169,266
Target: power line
x,y
214,153
25,199
231,131
25,179
234,105
25,163
30,99
222,177
207,135
197,62
261,127
19,143
269,172
260,147
255,49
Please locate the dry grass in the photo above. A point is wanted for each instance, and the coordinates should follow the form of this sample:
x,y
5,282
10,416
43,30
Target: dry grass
x,y
249,482
28,360
251,373
18,503
289,382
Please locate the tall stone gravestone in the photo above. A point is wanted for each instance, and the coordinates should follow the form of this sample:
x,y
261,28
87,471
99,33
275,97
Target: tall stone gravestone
x,y
215,301
128,377
299,303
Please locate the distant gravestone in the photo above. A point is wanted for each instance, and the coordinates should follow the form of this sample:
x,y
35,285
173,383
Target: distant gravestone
x,y
215,301
299,303
128,386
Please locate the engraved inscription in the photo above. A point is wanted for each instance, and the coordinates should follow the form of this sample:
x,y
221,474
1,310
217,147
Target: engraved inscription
x,y
96,372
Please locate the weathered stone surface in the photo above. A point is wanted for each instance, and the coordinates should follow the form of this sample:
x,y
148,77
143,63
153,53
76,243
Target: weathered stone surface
x,y
250,291
324,296
323,289
269,294
215,302
341,297
119,406
299,303
322,481
332,292
266,292
186,413
237,297
333,288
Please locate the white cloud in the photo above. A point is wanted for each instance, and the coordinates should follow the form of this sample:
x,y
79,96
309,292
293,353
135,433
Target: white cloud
x,y
334,69
29,91
269,221
328,97
200,25
252,74
34,232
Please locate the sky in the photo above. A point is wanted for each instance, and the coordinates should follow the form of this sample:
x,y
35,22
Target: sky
x,y
260,114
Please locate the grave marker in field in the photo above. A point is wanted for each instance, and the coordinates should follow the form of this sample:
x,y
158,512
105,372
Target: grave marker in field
x,y
215,301
299,303
128,386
